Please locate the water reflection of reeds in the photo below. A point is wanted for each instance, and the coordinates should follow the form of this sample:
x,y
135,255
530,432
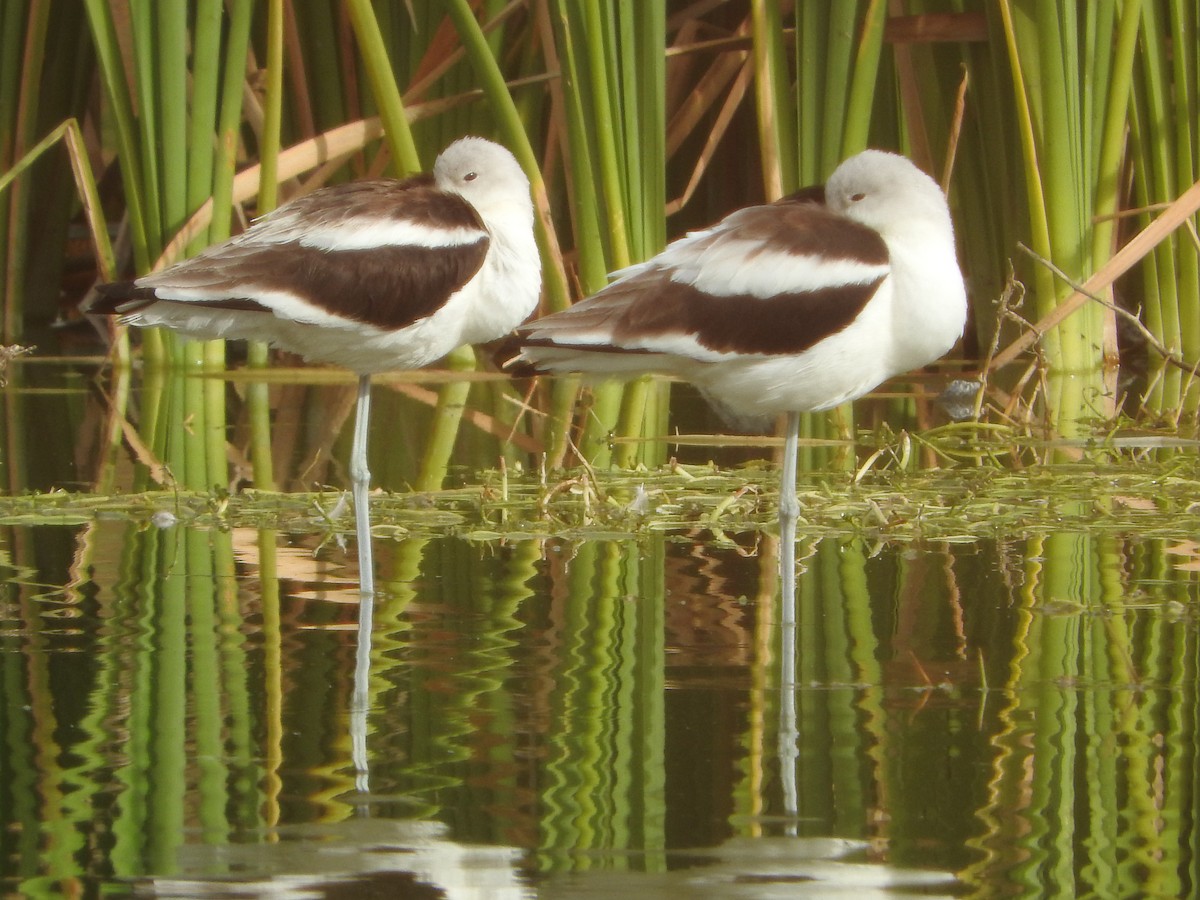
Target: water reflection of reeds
x,y
1021,713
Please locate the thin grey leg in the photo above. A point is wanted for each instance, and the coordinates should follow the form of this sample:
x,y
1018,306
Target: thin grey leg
x,y
789,512
360,477
789,505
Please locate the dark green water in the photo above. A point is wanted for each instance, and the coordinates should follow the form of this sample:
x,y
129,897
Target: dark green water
x,y
1005,716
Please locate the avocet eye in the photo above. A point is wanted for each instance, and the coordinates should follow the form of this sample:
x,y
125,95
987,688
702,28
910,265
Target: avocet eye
x,y
470,176
856,197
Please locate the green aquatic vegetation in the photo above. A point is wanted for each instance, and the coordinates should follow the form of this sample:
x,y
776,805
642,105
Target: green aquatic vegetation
x,y
633,129
1111,488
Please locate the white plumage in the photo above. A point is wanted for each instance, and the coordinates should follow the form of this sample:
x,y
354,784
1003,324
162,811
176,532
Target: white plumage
x,y
793,306
420,267
371,275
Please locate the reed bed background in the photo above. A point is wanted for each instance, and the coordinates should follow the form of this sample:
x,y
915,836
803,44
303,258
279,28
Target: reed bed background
x,y
146,130
1057,126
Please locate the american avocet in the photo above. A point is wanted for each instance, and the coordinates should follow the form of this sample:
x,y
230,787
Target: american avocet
x,y
794,306
371,275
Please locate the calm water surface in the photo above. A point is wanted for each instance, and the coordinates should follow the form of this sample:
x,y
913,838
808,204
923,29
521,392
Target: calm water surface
x,y
194,712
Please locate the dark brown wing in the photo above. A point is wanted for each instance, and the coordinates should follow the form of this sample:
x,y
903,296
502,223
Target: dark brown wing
x,y
386,253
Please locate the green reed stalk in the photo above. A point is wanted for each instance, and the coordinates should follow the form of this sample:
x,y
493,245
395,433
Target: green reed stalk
x,y
170,145
11,60
1112,122
1153,180
182,142
10,89
838,58
447,419
864,78
1040,239
112,437
1185,32
108,52
1166,139
270,139
504,109
830,68
777,132
137,138
585,200
224,166
205,94
258,393
24,125
201,88
614,119
152,401
560,413
189,433
322,81
642,106
582,185
1072,69
383,86
601,71
809,90
144,78
212,415
1057,73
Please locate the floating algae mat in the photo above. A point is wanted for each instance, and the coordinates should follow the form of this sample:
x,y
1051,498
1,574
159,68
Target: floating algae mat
x,y
1103,491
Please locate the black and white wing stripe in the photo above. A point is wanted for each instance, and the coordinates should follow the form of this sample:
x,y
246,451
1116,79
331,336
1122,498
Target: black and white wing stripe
x,y
381,253
766,280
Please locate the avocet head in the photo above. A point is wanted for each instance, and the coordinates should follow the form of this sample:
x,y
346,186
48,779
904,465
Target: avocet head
x,y
487,176
888,193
